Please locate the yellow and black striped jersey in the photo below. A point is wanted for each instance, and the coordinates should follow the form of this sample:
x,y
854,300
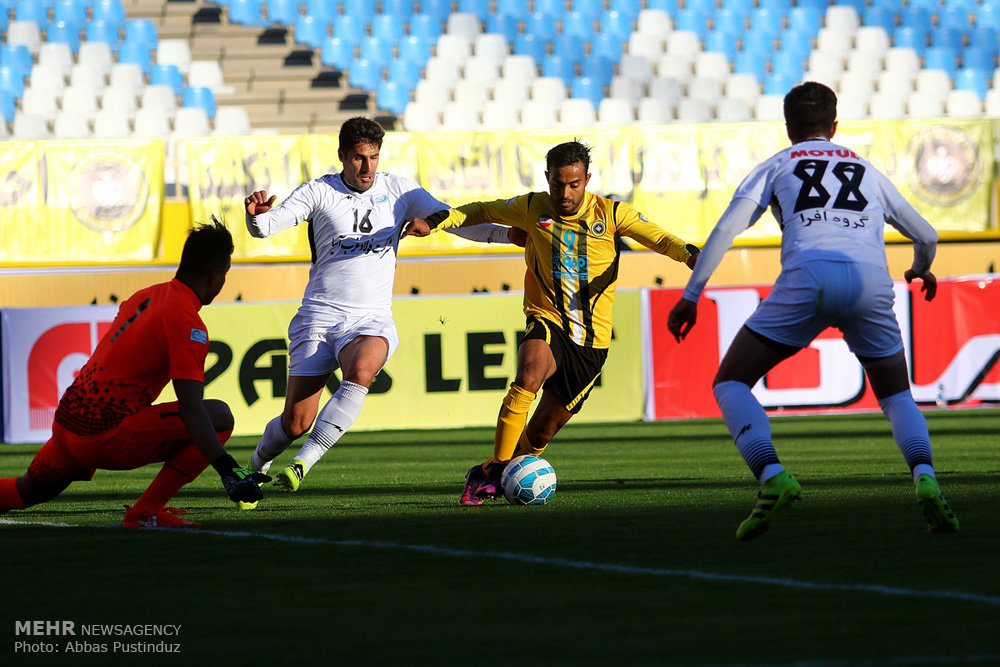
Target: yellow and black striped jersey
x,y
573,261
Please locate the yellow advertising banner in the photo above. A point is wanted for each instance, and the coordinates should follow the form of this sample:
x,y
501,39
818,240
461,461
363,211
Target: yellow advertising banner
x,y
222,172
80,201
456,358
670,189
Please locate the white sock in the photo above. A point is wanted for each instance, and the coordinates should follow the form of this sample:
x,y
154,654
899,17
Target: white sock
x,y
272,442
332,422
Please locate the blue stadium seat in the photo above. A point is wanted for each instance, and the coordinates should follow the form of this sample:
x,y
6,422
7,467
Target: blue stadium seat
x,y
911,37
951,38
751,62
141,31
516,8
358,8
954,17
391,96
323,10
246,12
8,108
781,7
819,5
439,9
859,5
551,7
540,25
985,39
706,7
478,7
988,15
780,84
724,41
794,47
607,46
503,24
111,11
578,24
364,74
765,19
556,65
139,54
598,69
586,88
336,52
4,20
12,80
197,96
593,8
760,42
730,20
788,64
931,5
404,72
913,16
401,9
388,27
376,51
65,33
529,45
167,75
16,56
426,27
692,20
310,31
881,17
616,24
669,6
569,47
73,12
805,20
349,29
103,31
414,49
973,79
941,57
32,11
282,12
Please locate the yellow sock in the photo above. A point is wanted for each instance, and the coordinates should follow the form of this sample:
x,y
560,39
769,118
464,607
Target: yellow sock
x,y
510,424
525,447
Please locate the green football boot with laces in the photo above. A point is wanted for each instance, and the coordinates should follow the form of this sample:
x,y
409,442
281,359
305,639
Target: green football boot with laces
x,y
774,494
290,478
940,518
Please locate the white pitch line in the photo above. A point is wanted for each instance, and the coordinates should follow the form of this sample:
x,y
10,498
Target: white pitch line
x,y
562,562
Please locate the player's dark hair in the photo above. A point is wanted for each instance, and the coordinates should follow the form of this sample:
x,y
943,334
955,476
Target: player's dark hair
x,y
566,154
360,130
810,108
207,247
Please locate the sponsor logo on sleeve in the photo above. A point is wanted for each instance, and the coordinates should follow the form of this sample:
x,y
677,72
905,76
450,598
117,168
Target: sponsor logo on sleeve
x,y
199,336
545,221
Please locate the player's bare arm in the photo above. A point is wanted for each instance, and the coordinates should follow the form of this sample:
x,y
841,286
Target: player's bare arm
x,y
416,227
258,202
929,286
682,318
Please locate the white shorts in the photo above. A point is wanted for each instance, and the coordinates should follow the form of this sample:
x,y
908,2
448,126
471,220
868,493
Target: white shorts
x,y
855,298
314,348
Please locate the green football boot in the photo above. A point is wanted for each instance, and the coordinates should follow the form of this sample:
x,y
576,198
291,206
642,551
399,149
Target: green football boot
x,y
290,478
774,494
940,518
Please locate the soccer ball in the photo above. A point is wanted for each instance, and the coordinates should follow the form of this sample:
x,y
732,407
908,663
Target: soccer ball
x,y
528,480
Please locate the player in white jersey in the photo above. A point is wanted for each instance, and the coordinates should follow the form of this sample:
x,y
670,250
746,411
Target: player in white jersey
x,y
832,206
345,320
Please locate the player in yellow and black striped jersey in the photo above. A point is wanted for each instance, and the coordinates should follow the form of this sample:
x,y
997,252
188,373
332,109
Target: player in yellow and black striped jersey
x,y
572,254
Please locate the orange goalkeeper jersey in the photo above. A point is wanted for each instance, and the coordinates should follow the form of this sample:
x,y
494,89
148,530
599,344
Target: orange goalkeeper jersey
x,y
156,337
573,261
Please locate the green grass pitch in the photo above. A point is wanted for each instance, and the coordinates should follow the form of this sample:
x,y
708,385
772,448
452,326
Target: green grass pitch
x,y
634,562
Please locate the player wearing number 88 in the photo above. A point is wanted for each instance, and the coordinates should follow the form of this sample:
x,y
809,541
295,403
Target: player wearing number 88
x,y
832,206
528,480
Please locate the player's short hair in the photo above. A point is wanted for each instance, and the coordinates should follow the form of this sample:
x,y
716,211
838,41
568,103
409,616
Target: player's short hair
x,y
566,154
360,130
207,247
810,107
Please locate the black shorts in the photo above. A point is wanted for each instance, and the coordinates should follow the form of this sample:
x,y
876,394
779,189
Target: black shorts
x,y
577,367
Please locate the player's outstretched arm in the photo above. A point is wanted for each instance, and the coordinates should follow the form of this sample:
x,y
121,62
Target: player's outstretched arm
x,y
682,318
416,227
258,202
929,286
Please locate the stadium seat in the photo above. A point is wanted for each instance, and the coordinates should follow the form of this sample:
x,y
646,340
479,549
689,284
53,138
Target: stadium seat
x,y
977,58
551,7
413,48
282,12
529,45
993,103
309,31
586,88
677,67
95,56
709,90
245,12
336,52
557,66
842,18
683,43
64,33
70,12
32,12
459,116
200,98
871,39
974,80
433,94
647,45
17,57
29,127
510,91
39,102
925,105
769,107
666,90
103,32
126,76
693,21
937,57
119,100
57,56
174,52
347,28
724,43
578,24
80,101
497,115
519,67
439,70
733,111
767,20
963,104
70,125
492,46
887,106
454,47
364,74
862,63
111,12
515,8
538,115
545,89
8,107
231,121
161,98
464,25
693,110
167,75
473,93
506,25
485,70
379,53
954,17
625,88
742,87
577,112
598,68
48,77
616,25
436,9
615,111
392,96
913,37
425,27
475,7
711,65
406,73
191,122
141,31
902,60
652,111
748,62
208,74
136,54
804,20
880,16
26,33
